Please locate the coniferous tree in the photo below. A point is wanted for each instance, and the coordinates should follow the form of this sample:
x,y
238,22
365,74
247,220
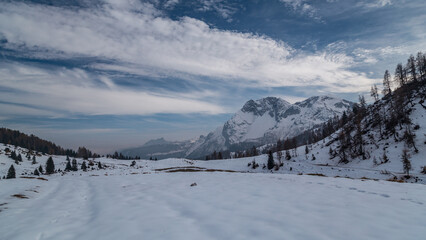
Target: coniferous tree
x,y
306,149
387,83
74,165
374,93
406,161
11,172
68,166
100,165
40,169
83,166
133,163
50,166
421,65
400,75
270,160
36,172
411,68
34,160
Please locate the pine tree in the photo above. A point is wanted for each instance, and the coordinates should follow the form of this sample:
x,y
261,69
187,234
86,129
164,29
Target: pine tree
x,y
421,65
50,166
13,155
374,93
270,160
36,172
387,83
19,158
406,161
83,166
34,160
400,75
411,68
74,166
100,165
306,149
40,169
11,172
68,166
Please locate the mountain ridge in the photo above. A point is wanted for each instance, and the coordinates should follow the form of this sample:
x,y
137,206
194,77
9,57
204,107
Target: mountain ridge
x,y
258,122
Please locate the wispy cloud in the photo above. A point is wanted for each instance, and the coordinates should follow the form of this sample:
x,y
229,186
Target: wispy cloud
x,y
303,7
222,7
74,91
375,3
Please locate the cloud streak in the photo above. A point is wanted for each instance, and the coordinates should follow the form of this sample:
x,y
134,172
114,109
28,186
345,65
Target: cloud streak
x,y
73,91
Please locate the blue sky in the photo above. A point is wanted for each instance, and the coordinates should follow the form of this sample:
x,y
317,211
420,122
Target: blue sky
x,y
113,74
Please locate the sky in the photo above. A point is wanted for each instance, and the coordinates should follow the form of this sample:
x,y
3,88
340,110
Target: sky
x,y
116,73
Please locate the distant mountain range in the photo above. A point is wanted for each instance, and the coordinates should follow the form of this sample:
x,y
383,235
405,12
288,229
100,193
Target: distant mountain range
x,y
257,123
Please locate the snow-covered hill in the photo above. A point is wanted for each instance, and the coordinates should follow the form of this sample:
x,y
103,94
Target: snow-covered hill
x,y
258,122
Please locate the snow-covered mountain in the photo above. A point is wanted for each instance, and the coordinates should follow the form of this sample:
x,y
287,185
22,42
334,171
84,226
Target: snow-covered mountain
x,y
258,122
266,120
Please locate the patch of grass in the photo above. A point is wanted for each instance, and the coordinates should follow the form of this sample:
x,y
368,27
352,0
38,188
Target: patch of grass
x,y
39,178
173,168
185,170
21,196
395,180
219,170
316,174
366,178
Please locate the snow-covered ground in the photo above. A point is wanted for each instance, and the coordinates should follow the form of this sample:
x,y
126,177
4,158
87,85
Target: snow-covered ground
x,y
155,200
221,206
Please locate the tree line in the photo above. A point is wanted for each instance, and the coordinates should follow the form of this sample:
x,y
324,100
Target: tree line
x,y
33,143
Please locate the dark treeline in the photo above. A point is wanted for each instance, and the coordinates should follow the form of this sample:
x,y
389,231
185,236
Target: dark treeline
x,y
33,143
120,156
388,114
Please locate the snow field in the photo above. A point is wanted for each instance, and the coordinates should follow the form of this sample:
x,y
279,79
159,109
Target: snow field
x,y
221,206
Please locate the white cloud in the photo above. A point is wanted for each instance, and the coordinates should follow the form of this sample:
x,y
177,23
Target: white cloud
x,y
140,40
375,3
303,7
224,9
73,91
170,3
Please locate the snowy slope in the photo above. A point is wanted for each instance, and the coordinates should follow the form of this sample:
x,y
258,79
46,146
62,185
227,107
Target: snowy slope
x,y
220,206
